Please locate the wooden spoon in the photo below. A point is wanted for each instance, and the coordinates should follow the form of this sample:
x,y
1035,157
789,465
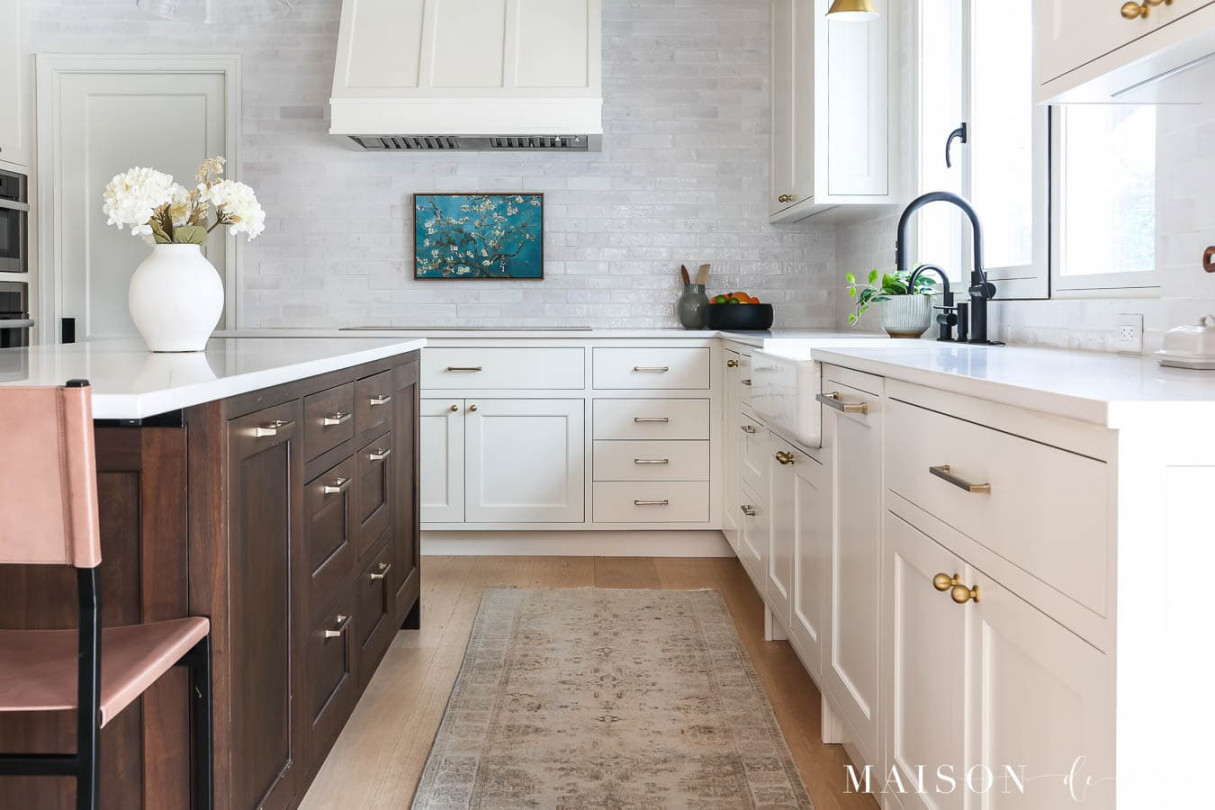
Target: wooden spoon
x,y
683,271
702,275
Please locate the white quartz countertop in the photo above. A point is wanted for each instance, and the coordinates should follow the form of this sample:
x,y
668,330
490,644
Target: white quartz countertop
x,y
1111,390
129,382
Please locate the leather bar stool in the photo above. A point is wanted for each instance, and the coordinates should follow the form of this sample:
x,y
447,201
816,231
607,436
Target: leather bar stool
x,y
49,516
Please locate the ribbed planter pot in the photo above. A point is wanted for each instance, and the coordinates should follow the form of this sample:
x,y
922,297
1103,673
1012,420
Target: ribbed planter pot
x,y
907,316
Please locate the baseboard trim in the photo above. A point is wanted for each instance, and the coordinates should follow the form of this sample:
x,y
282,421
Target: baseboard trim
x,y
710,543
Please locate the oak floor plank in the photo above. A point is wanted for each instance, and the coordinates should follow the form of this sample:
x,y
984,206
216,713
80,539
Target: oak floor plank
x,y
378,760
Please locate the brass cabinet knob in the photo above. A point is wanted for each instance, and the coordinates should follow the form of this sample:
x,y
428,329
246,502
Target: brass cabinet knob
x,y
1135,11
785,198
943,582
957,591
731,364
472,407
785,458
455,408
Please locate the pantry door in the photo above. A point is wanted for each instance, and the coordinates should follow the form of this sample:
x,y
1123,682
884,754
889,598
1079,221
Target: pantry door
x,y
99,116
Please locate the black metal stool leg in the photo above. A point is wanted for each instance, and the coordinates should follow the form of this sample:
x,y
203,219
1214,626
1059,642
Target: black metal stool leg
x,y
88,714
200,721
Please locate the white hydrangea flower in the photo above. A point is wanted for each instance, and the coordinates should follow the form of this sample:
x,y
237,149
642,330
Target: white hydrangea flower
x,y
180,207
131,198
237,207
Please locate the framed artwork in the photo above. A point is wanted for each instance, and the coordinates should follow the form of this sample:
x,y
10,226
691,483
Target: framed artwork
x,y
478,236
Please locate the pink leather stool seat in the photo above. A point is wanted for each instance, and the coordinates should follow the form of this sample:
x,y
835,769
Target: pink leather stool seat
x,y
38,667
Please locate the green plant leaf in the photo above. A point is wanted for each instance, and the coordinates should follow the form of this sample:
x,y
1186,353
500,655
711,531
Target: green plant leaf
x,y
850,278
873,275
190,235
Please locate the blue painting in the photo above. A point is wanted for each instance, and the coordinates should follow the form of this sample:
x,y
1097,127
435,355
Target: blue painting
x,y
478,236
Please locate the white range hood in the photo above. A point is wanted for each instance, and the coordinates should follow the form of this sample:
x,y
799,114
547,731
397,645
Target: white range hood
x,y
469,75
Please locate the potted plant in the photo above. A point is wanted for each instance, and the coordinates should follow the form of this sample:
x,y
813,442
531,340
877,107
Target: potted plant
x,y
906,312
176,296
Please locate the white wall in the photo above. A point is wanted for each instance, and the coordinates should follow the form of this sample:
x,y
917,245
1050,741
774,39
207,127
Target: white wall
x,y
682,178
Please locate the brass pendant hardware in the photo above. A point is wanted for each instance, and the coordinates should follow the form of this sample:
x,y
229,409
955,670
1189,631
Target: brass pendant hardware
x,y
1134,11
785,458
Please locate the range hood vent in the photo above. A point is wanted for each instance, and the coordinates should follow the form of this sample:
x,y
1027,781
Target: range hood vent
x,y
473,143
463,80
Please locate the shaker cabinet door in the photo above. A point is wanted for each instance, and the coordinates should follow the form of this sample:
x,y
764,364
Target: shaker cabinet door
x,y
442,465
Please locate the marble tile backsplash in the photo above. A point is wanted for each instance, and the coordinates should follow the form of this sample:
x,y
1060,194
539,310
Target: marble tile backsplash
x,y
682,177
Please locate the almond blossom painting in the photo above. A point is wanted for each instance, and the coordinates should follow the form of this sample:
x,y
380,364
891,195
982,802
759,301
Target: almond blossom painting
x,y
478,236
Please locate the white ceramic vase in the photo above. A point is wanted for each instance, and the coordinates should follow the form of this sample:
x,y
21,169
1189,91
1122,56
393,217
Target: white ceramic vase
x,y
907,316
176,298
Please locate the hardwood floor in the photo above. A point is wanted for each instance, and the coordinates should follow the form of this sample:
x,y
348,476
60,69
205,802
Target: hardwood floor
x,y
378,760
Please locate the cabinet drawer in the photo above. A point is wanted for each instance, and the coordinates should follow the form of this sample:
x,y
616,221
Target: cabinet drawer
x,y
656,368
328,419
651,502
753,454
651,461
373,626
651,419
518,369
329,531
1043,509
373,471
330,676
373,402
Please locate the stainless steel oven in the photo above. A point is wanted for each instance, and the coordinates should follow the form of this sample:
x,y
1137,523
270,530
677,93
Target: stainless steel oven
x,y
14,222
15,320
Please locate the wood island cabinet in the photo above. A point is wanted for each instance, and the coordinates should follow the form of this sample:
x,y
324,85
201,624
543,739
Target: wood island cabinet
x,y
287,515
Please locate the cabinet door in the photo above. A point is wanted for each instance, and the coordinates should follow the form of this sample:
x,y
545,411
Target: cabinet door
x,y
330,536
732,436
926,716
779,588
525,461
14,148
1044,699
266,568
857,154
330,677
442,463
754,455
783,144
373,625
753,539
854,442
811,533
406,572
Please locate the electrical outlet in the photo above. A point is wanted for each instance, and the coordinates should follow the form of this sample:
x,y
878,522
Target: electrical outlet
x,y
1130,334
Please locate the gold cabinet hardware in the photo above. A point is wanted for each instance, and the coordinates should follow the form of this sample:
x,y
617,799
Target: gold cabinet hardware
x,y
653,369
944,474
957,591
660,420
652,503
336,418
465,368
379,454
272,428
472,408
1133,11
382,573
834,402
785,198
785,458
651,461
339,627
338,485
746,383
731,364
455,408
378,400
748,510
750,430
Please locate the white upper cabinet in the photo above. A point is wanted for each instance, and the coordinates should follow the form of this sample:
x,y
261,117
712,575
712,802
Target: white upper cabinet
x,y
831,110
1090,51
14,116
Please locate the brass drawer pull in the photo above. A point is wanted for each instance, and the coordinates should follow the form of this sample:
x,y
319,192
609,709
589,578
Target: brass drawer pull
x,y
272,428
337,418
465,368
382,573
651,461
957,591
785,458
339,628
944,474
750,430
1132,10
338,485
731,364
749,511
661,420
379,454
834,402
655,369
379,399
652,503
785,198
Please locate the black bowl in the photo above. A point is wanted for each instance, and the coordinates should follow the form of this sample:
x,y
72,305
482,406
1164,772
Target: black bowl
x,y
740,317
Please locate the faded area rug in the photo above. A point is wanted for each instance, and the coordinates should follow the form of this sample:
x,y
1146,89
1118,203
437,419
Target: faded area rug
x,y
593,699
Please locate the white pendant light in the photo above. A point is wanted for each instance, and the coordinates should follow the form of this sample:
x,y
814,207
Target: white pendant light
x,y
217,12
853,11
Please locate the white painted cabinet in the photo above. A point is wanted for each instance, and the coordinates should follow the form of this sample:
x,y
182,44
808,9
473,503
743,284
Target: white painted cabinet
x,y
811,523
14,93
783,499
442,460
753,538
1088,51
732,437
524,461
853,440
831,141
